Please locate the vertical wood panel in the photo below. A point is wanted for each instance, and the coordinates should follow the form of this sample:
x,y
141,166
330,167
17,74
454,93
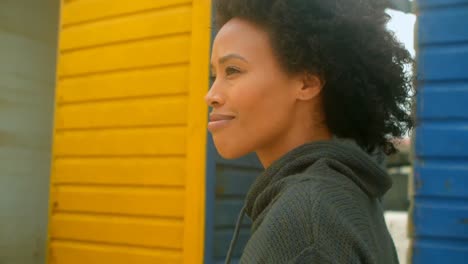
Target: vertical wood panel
x,y
28,44
196,141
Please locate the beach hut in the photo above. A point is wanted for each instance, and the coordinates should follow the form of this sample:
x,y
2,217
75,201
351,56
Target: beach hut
x,y
129,145
440,213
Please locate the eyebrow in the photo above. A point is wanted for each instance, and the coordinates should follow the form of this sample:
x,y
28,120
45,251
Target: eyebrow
x,y
231,56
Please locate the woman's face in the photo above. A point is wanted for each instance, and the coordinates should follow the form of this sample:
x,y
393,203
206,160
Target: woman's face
x,y
252,97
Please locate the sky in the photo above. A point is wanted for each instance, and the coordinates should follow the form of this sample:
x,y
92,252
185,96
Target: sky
x,y
403,26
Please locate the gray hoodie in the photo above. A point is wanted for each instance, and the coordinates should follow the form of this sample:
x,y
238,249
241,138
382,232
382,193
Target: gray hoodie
x,y
319,203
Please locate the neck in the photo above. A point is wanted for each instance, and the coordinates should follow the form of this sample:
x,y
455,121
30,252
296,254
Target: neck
x,y
279,148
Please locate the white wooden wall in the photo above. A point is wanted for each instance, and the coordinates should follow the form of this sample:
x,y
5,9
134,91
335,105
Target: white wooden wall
x,y
28,37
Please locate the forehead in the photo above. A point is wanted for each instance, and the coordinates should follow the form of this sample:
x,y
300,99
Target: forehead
x,y
241,37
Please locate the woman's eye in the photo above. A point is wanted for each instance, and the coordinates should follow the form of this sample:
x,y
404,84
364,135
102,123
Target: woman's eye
x,y
231,71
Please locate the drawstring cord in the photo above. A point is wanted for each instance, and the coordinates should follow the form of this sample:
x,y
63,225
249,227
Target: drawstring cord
x,y
236,235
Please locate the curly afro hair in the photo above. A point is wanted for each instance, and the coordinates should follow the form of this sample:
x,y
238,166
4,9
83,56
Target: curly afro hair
x,y
367,92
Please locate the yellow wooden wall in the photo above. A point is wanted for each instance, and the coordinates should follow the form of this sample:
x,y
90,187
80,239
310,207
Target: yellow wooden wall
x,y
128,171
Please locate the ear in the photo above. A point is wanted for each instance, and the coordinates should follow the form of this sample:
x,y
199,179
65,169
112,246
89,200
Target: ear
x,y
312,85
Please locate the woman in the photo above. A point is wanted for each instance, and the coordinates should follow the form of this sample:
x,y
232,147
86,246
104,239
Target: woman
x,y
313,88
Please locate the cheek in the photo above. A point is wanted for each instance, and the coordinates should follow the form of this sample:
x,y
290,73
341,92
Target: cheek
x,y
264,109
252,101
265,96
258,92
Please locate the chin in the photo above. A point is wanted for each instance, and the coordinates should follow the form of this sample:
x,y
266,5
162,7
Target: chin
x,y
230,151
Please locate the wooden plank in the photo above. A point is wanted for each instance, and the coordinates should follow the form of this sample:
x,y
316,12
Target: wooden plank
x,y
423,4
134,83
127,113
430,250
176,20
79,253
121,171
234,181
118,230
194,221
155,141
120,200
248,161
442,140
28,42
86,10
440,217
441,180
442,26
24,121
166,50
450,99
443,63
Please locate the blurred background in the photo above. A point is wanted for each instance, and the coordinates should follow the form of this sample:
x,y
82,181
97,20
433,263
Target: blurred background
x,y
104,155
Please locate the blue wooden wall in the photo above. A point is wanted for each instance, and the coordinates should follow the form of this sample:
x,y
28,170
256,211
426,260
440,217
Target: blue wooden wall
x,y
440,207
227,184
233,179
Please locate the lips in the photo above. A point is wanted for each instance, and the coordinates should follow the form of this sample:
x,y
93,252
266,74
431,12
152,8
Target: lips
x,y
220,117
219,121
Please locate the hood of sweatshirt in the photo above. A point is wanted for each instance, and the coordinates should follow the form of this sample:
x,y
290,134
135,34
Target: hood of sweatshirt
x,y
367,173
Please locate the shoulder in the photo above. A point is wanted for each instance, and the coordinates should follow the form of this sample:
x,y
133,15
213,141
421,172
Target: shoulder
x,y
320,194
301,217
326,177
319,209
315,195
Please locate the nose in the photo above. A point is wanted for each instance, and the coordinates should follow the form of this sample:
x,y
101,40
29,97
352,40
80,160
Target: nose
x,y
213,98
